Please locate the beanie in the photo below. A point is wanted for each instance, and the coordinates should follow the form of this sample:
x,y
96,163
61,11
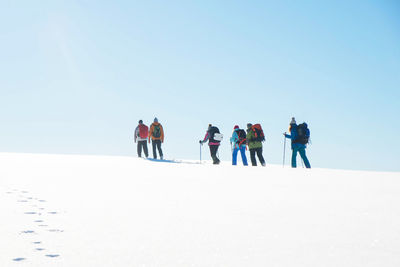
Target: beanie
x,y
140,121
293,121
236,127
155,120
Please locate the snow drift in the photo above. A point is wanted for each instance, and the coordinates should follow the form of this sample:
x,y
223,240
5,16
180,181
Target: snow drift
x,y
59,210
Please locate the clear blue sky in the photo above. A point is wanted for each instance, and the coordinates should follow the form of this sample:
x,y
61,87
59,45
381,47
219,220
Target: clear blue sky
x,y
76,76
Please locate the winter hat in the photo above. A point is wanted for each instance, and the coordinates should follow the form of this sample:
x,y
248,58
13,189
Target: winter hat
x,y
249,125
155,120
293,121
236,127
140,121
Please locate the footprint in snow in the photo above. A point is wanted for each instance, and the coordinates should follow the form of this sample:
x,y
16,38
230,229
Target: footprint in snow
x,y
56,230
38,221
24,192
22,200
52,255
52,212
28,232
42,225
19,259
42,200
30,212
39,249
37,242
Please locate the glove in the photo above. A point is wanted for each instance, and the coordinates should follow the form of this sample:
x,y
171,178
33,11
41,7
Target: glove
x,y
201,142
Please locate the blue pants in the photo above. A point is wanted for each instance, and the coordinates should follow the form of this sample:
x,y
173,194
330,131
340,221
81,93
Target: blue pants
x,y
242,153
302,151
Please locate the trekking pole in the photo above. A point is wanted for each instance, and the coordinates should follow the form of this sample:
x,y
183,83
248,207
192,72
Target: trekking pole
x,y
200,153
284,150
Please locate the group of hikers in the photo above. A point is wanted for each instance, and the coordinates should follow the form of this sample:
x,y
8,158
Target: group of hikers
x,y
252,139
156,135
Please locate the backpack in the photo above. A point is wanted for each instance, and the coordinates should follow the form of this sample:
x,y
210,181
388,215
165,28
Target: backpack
x,y
303,134
258,132
242,137
143,131
213,130
157,130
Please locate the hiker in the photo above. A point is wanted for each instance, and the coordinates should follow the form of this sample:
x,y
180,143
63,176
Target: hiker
x,y
299,135
238,140
157,137
214,137
141,134
255,137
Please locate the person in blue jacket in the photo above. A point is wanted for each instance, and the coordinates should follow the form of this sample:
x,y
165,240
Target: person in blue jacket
x,y
238,140
298,142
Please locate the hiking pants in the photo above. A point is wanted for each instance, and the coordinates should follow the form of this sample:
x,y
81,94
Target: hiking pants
x,y
156,144
140,145
213,151
253,152
302,151
242,153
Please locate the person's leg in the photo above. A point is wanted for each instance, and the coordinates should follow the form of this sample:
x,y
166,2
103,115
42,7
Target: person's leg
x,y
216,158
294,156
146,151
302,152
260,156
213,150
234,156
154,143
159,149
139,149
243,154
253,157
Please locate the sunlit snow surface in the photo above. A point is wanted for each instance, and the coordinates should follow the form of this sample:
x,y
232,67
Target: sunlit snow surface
x,y
61,210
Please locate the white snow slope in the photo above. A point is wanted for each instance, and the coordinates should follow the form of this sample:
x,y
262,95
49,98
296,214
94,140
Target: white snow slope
x,y
59,210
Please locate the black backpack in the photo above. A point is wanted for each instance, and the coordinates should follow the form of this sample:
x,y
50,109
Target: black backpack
x,y
303,134
242,137
211,132
157,131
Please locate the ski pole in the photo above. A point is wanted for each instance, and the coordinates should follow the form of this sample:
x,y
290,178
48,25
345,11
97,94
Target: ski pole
x,y
284,149
200,153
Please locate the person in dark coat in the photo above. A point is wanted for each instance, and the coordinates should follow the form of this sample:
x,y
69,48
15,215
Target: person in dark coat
x,y
298,145
212,142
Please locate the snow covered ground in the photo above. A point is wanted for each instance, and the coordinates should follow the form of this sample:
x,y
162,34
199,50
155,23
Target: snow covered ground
x,y
68,210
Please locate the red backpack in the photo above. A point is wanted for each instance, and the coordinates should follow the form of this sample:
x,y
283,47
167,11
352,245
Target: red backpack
x,y
143,131
258,132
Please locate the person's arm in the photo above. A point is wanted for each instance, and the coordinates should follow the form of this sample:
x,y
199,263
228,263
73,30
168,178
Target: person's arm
x,y
136,133
151,131
249,137
162,133
234,137
206,137
287,135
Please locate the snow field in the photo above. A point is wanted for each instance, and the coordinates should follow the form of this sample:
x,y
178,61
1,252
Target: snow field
x,y
122,211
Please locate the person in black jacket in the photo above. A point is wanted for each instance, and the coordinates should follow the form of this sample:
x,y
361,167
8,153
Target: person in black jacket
x,y
212,142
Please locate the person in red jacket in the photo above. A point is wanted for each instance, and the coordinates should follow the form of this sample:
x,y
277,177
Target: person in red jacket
x,y
157,137
141,134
